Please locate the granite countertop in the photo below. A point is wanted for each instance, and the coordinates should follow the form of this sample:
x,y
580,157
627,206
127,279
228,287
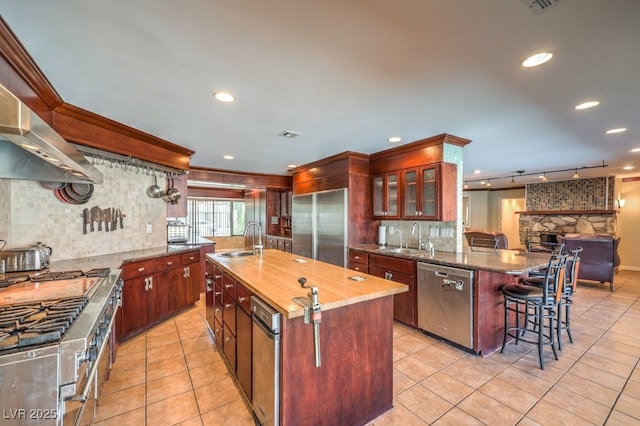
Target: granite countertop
x,y
273,276
513,262
116,260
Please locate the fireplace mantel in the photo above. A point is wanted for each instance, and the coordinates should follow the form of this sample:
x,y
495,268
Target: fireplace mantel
x,y
566,212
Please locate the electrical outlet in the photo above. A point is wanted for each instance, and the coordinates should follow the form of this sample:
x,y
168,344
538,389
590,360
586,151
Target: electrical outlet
x,y
149,228
447,232
434,232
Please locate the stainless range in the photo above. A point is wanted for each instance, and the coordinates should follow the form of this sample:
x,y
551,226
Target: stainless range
x,y
55,344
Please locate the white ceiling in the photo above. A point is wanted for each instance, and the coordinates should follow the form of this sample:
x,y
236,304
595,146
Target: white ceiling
x,y
348,74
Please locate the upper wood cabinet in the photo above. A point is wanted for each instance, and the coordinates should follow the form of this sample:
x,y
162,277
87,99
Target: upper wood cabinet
x,y
425,185
430,192
386,189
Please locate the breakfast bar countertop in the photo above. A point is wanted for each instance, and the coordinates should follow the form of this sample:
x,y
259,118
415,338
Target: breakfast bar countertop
x,y
512,262
274,275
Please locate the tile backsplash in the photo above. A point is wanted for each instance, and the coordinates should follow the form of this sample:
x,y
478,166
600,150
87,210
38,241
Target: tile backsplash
x,y
31,213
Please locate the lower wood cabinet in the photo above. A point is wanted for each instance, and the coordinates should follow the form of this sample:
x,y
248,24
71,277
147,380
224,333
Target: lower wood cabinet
x,y
228,313
279,243
394,269
244,338
154,289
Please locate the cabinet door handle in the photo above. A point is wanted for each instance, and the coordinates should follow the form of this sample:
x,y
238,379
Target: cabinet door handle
x,y
217,277
191,257
227,305
150,283
357,268
356,257
140,269
227,340
228,285
217,310
242,299
217,293
169,263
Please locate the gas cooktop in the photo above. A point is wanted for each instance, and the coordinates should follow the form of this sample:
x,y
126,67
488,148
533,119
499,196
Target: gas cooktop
x,y
46,275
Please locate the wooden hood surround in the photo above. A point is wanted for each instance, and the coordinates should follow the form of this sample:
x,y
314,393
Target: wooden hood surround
x,y
21,75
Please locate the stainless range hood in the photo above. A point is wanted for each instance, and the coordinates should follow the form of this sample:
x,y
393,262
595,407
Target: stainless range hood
x,y
30,149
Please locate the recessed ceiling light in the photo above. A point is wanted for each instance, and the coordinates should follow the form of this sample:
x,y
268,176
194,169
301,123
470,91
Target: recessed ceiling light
x,y
288,134
537,59
291,166
476,171
228,157
618,130
394,139
634,150
588,104
627,168
224,96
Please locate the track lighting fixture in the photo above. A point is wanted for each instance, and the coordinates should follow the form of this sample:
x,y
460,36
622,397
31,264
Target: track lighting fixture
x,y
542,175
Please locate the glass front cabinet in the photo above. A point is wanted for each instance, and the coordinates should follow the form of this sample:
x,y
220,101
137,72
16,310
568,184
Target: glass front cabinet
x,y
386,196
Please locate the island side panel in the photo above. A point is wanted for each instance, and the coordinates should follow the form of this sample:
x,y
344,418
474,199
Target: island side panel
x,y
489,310
354,384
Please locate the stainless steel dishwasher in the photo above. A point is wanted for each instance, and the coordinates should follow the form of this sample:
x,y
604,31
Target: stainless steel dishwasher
x,y
445,302
265,398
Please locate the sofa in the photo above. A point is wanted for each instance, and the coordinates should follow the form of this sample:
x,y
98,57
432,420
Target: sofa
x,y
489,239
599,258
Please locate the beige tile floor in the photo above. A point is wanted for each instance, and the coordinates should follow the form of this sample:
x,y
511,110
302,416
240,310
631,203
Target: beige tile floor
x,y
173,374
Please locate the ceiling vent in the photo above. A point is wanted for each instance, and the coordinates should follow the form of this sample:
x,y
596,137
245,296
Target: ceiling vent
x,y
288,134
539,6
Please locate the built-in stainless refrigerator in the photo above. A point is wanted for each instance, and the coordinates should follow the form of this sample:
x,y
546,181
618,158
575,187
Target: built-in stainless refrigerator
x,y
319,226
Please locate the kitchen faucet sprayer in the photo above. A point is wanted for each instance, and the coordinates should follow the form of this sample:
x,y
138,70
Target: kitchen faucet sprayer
x,y
259,246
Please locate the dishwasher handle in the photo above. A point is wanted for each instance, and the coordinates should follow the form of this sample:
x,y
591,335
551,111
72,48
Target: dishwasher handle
x,y
257,321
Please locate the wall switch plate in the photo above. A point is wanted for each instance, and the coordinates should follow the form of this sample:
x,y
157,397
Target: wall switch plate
x,y
447,232
434,232
149,228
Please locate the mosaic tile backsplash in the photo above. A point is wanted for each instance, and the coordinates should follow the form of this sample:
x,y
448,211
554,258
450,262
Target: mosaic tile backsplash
x,y
31,213
575,194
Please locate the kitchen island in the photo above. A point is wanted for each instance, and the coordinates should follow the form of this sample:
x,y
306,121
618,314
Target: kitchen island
x,y
354,383
492,269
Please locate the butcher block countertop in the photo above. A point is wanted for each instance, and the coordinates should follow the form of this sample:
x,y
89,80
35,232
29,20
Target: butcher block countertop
x,y
273,276
513,262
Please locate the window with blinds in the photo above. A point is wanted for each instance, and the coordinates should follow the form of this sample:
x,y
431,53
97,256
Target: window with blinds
x,y
215,217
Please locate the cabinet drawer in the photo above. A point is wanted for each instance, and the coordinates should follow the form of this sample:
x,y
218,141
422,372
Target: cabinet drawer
x,y
191,257
360,267
358,257
229,309
244,296
393,264
229,287
137,269
165,262
287,245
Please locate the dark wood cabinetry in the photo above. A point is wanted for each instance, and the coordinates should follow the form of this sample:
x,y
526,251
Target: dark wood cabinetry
x,y
394,269
429,192
244,335
279,243
359,261
279,213
426,183
154,289
386,194
228,315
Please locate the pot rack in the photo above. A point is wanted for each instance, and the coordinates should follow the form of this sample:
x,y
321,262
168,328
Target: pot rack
x,y
127,163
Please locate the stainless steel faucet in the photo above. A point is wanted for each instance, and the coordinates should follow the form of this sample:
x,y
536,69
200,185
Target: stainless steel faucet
x,y
413,230
255,246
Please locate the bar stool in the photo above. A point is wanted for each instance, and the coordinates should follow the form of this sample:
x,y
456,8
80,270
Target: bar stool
x,y
536,307
571,282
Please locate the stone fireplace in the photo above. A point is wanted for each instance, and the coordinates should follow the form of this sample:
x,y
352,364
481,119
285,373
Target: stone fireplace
x,y
580,206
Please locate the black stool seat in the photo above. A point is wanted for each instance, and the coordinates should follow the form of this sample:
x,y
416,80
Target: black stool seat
x,y
525,292
535,308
